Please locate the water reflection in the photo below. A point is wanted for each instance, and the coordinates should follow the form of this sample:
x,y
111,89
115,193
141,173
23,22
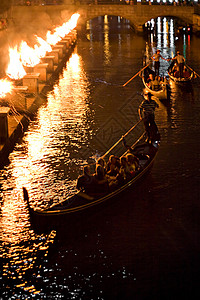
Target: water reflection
x,y
44,159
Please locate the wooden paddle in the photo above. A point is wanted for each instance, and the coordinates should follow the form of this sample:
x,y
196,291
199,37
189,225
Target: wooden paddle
x,y
135,75
193,71
121,138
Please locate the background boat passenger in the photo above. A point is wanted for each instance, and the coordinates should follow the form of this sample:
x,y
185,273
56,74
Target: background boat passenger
x,y
186,73
176,74
84,182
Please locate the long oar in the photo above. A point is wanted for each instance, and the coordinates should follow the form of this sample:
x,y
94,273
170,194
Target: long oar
x,y
135,75
193,70
121,138
139,139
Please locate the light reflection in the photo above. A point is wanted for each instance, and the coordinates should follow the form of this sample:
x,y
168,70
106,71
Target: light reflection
x,y
159,29
188,43
69,96
159,36
184,45
106,47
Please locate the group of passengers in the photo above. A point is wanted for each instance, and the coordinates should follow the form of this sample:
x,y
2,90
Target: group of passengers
x,y
176,72
155,82
108,175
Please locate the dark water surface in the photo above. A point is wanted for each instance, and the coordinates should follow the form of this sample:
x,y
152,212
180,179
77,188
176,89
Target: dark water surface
x,y
146,244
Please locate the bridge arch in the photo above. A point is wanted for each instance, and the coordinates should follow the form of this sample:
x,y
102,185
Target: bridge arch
x,y
138,14
83,21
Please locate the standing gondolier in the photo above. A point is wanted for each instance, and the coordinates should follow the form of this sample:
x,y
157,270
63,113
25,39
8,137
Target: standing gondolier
x,y
180,59
146,112
156,57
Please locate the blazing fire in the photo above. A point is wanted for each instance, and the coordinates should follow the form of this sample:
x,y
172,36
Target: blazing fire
x,y
61,31
28,55
43,47
24,55
15,68
6,87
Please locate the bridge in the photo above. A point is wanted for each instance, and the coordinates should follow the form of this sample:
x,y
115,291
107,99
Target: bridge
x,y
137,14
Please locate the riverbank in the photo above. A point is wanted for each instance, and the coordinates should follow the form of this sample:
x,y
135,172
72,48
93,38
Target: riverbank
x,y
18,119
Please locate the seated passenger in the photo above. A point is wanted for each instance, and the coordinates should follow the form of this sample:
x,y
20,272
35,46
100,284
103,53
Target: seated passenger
x,y
155,84
85,181
186,73
113,171
102,163
124,173
174,68
175,71
113,166
176,74
133,163
150,79
101,185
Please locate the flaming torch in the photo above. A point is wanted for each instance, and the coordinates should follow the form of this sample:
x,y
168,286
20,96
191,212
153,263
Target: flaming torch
x,y
6,87
25,55
15,68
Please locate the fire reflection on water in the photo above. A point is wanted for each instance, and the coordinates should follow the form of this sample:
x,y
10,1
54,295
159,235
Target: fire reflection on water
x,y
44,166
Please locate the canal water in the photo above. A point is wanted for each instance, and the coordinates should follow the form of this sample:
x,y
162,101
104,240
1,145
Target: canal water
x,y
145,245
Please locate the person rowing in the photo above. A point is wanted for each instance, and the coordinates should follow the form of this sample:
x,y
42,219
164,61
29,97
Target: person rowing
x,y
146,112
180,60
156,57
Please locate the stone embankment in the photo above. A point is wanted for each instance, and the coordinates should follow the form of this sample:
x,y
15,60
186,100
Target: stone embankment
x,y
29,93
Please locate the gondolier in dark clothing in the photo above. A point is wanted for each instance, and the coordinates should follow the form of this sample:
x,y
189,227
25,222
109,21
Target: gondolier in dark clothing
x,y
156,57
146,112
180,59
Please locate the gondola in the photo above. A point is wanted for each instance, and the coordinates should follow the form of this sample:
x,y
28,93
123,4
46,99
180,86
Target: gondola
x,y
180,80
163,92
76,207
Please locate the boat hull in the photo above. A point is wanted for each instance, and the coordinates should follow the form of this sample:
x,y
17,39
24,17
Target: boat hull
x,y
163,94
181,81
76,209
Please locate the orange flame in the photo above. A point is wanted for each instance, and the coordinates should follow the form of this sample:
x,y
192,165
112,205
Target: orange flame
x,y
61,31
6,87
28,56
43,48
15,68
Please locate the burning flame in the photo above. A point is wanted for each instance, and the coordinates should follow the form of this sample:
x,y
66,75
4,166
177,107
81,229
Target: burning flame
x,y
6,87
25,55
15,68
61,31
43,48
28,55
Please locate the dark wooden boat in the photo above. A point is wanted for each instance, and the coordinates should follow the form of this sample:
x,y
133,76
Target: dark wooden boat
x,y
180,80
163,92
75,207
